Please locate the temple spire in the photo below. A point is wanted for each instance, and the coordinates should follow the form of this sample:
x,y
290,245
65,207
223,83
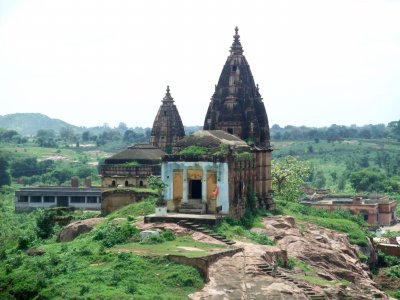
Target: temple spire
x,y
167,97
236,45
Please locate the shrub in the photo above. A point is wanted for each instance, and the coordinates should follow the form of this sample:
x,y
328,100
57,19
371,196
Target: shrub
x,y
152,239
168,235
112,233
194,151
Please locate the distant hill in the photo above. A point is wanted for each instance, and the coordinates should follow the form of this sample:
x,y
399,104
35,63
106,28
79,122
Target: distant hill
x,y
30,123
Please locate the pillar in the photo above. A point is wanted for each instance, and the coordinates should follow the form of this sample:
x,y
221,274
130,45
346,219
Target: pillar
x,y
204,187
185,186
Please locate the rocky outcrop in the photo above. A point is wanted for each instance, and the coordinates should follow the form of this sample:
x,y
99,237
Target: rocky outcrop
x,y
73,230
334,270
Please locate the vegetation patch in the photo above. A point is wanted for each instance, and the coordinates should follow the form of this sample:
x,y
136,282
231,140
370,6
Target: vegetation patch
x,y
322,282
133,210
340,220
184,246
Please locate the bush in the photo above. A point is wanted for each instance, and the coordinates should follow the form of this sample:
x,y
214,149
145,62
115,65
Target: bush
x,y
168,235
194,151
112,233
152,239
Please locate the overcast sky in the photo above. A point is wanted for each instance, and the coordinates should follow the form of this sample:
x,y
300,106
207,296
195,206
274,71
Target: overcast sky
x,y
90,62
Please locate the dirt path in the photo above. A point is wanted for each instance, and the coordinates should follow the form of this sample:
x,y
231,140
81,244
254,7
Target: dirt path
x,y
238,277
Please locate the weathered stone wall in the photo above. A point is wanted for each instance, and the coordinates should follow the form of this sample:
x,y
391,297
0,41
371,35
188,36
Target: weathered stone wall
x,y
202,263
116,198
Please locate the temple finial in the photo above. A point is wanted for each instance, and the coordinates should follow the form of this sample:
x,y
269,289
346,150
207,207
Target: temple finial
x,y
236,46
168,97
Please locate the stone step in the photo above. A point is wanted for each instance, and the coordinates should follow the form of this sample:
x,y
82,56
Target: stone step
x,y
317,297
190,211
230,243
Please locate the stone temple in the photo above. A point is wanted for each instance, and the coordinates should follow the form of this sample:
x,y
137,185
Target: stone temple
x,y
167,126
236,105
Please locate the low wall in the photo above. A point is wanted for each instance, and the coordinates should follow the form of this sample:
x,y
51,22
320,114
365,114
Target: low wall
x,y
202,263
390,249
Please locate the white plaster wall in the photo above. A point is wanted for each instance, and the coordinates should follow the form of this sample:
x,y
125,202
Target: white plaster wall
x,y
167,169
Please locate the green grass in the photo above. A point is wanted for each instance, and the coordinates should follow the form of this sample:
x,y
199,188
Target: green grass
x,y
83,269
233,230
302,266
141,208
175,247
342,221
322,282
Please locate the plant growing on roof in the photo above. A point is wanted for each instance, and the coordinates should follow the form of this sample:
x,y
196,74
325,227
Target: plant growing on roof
x,y
156,183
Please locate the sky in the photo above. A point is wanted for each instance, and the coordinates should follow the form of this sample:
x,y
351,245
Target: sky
x,y
90,62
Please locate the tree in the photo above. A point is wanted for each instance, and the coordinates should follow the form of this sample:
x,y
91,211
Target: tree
x,y
46,138
5,178
24,167
86,136
67,134
156,183
288,176
320,180
395,129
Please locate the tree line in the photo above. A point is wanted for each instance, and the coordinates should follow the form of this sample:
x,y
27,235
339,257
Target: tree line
x,y
336,132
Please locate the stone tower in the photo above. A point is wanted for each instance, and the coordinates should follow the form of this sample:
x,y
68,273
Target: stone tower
x,y
236,105
167,127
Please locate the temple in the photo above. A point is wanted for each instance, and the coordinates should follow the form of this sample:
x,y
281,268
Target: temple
x,y
167,127
236,105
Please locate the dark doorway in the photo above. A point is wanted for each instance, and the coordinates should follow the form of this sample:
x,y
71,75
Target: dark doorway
x,y
230,130
62,201
195,189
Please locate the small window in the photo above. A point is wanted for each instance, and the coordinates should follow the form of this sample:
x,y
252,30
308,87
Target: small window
x,y
165,112
78,199
49,199
91,199
234,68
23,199
36,199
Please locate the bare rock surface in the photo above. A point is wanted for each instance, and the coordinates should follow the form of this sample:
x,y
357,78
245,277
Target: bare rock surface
x,y
73,230
179,231
334,261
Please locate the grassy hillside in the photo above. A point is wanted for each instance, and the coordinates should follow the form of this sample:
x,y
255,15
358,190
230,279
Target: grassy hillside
x,y
30,123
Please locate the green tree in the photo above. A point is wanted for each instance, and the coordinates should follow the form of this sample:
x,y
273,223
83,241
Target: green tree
x,y
156,183
320,180
46,138
395,129
5,178
24,167
288,176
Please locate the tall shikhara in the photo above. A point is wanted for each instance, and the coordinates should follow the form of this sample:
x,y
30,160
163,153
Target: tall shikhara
x,y
167,127
236,105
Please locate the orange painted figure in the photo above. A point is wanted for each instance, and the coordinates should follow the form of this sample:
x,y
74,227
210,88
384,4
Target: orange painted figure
x,y
215,192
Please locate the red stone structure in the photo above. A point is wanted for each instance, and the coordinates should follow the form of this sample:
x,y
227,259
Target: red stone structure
x,y
377,212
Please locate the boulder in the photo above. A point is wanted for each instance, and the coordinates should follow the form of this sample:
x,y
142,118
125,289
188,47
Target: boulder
x,y
75,229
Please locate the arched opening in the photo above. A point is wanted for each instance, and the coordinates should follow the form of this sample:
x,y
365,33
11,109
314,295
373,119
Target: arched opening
x,y
126,182
113,183
141,183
